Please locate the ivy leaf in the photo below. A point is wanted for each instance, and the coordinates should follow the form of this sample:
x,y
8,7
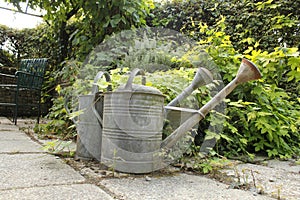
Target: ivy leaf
x,y
228,139
236,104
251,115
244,141
272,152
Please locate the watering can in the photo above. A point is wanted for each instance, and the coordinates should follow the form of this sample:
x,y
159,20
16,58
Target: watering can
x,y
89,124
133,117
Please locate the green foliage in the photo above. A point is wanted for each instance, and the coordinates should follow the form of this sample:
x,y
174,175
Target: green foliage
x,y
59,147
263,115
60,125
104,19
209,164
269,23
25,43
269,127
77,26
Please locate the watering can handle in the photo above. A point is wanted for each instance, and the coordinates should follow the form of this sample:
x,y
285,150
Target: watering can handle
x,y
134,73
95,90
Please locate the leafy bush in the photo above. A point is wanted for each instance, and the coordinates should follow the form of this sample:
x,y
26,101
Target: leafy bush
x,y
263,116
271,23
19,44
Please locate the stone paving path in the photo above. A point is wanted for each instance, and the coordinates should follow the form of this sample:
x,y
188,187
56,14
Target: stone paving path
x,y
273,177
27,172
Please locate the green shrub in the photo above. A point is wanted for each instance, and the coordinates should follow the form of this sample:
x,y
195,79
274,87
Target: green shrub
x,y
271,23
261,116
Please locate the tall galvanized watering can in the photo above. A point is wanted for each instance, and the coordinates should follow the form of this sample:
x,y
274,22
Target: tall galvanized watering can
x,y
89,122
133,119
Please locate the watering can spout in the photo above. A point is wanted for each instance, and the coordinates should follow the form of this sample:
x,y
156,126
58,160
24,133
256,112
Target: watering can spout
x,y
202,77
247,72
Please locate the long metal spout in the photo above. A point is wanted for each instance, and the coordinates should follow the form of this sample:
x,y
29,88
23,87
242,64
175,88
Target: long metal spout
x,y
247,72
202,77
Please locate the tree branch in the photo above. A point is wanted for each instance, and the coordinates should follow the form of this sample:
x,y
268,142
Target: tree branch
x,y
72,12
20,11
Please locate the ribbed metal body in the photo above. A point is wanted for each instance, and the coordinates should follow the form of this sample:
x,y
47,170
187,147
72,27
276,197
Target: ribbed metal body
x,y
132,130
89,130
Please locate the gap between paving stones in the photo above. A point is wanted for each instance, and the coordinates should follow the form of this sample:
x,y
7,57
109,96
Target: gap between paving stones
x,y
44,186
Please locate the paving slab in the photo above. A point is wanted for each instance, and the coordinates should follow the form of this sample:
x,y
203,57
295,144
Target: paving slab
x,y
14,141
278,179
4,120
65,192
8,127
13,135
288,166
179,187
28,170
19,147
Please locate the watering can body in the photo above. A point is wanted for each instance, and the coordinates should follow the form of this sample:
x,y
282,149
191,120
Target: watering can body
x,y
89,131
89,122
132,128
133,120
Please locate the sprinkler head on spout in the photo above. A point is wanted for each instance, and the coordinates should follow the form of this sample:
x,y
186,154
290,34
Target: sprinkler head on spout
x,y
202,77
248,71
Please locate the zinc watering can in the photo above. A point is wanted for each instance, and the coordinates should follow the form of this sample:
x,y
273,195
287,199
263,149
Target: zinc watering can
x,y
89,122
133,118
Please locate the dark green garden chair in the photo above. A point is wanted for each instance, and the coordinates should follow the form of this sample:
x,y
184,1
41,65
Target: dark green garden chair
x,y
29,76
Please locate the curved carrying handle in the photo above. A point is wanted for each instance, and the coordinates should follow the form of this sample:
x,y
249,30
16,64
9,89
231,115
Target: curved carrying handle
x,y
95,90
134,73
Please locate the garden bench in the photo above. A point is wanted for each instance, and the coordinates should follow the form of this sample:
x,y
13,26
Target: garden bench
x,y
29,76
